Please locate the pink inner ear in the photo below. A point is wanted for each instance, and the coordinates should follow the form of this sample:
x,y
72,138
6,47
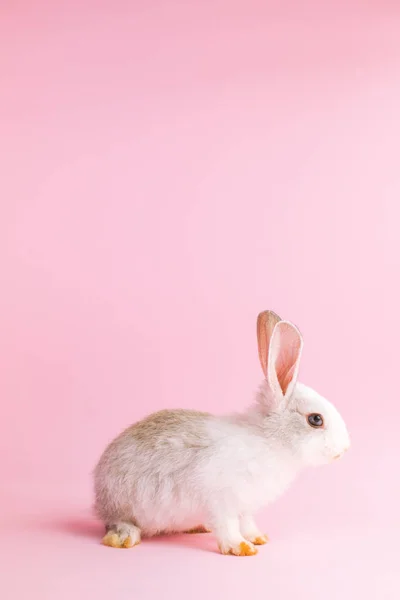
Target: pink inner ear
x,y
285,378
288,356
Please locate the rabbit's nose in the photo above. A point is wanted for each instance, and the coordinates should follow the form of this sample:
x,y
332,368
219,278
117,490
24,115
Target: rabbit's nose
x,y
341,454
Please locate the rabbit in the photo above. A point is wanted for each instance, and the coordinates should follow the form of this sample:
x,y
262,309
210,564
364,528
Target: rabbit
x,y
190,471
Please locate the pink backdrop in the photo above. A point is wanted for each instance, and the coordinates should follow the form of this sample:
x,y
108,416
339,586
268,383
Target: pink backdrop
x,y
168,170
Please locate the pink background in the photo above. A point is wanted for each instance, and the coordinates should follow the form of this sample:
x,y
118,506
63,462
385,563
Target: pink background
x,y
168,170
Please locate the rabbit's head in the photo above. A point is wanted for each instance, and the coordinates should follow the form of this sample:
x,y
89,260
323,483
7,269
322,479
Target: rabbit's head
x,y
304,421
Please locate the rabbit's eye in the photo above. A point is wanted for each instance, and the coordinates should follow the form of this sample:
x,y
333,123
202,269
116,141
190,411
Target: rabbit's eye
x,y
315,420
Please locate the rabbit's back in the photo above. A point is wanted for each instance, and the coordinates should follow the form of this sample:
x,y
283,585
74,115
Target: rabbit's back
x,y
148,473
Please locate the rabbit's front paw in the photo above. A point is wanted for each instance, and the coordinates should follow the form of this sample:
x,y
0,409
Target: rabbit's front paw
x,y
250,531
241,549
260,540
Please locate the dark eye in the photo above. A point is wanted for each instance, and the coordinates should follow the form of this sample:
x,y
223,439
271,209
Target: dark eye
x,y
315,420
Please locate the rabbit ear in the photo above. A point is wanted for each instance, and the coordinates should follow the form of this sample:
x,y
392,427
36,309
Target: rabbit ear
x,y
266,322
284,359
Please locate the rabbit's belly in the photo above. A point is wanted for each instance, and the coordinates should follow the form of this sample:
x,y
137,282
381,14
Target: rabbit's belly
x,y
161,520
170,510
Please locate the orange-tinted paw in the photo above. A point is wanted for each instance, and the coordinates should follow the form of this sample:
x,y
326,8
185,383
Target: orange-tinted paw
x,y
198,529
260,540
243,549
114,540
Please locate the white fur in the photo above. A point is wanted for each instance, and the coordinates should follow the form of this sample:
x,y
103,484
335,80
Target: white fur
x,y
178,469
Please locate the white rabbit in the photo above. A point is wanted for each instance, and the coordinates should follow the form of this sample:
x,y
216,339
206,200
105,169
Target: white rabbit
x,y
185,471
